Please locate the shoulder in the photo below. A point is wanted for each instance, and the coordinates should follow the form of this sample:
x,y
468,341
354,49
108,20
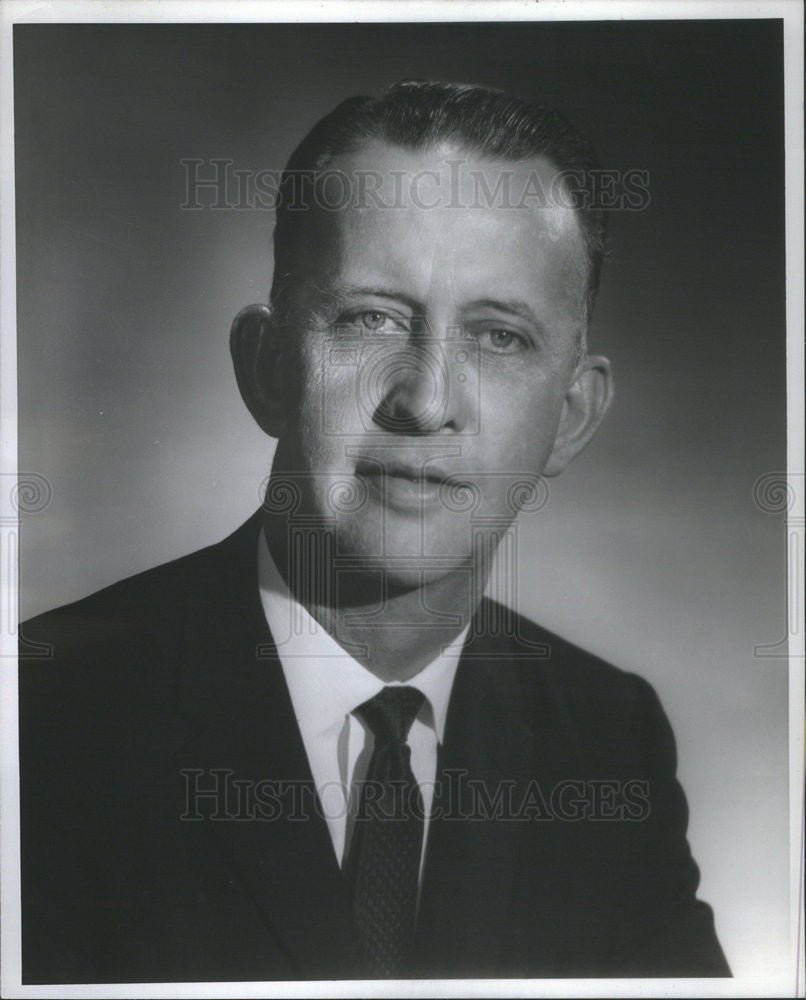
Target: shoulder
x,y
144,604
503,635
119,655
605,705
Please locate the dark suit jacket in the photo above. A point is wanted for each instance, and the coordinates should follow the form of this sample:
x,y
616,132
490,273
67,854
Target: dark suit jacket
x,y
559,848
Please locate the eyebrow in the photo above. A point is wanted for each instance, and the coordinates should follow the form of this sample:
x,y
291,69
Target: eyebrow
x,y
341,292
513,306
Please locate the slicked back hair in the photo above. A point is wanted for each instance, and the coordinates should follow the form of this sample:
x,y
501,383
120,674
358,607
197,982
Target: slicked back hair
x,y
417,115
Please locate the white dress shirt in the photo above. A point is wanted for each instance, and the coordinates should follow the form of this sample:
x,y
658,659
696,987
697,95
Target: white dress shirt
x,y
326,685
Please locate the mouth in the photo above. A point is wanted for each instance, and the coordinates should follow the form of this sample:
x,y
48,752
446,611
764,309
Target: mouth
x,y
402,485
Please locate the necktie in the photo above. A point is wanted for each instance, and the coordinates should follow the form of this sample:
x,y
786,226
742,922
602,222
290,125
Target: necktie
x,y
384,861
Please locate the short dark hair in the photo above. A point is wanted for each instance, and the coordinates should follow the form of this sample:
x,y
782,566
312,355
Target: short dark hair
x,y
416,114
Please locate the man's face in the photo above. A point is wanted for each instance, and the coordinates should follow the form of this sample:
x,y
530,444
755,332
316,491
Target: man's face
x,y
431,346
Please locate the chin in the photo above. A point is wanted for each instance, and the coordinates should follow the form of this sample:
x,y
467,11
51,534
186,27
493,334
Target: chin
x,y
406,551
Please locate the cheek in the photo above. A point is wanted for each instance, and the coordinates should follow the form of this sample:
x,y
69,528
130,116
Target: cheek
x,y
519,421
327,414
306,409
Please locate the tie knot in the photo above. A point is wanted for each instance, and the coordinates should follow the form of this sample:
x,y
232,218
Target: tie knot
x,y
391,712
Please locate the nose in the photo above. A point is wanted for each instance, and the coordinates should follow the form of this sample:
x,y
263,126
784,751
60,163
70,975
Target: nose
x,y
416,391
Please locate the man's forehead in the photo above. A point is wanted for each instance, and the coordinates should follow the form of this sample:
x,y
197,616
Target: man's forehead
x,y
448,178
446,215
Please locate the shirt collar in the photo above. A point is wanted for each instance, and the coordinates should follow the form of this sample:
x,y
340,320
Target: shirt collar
x,y
325,683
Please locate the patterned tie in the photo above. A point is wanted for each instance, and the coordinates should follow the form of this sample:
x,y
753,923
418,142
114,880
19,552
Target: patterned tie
x,y
384,861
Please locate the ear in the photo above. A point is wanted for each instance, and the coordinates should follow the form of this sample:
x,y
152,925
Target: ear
x,y
255,344
585,404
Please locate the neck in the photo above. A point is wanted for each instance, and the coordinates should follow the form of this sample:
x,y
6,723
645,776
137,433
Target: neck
x,y
392,629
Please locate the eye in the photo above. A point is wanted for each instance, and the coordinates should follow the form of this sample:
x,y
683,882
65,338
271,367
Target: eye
x,y
504,340
372,319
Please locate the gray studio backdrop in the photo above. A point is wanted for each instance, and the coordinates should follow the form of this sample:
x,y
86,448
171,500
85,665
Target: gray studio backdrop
x,y
653,550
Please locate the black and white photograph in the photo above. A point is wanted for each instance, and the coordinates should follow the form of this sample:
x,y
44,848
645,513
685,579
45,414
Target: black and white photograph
x,y
402,499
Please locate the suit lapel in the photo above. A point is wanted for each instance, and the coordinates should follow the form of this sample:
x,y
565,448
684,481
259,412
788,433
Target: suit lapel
x,y
484,765
508,742
236,716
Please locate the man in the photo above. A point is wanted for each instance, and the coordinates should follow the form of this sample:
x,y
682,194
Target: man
x,y
315,750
